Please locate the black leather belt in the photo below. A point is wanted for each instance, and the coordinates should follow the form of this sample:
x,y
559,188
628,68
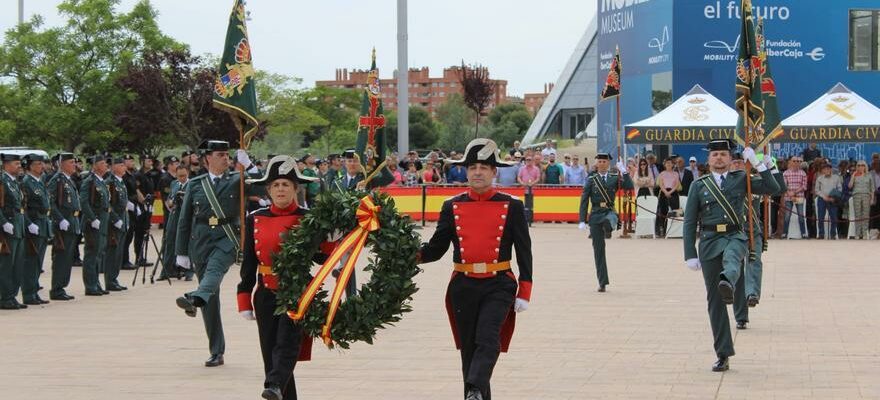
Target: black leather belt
x,y
722,228
214,221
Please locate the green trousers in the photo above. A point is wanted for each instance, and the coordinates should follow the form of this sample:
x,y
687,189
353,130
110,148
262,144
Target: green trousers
x,y
727,265
62,261
599,221
93,260
31,266
10,270
210,275
113,257
750,283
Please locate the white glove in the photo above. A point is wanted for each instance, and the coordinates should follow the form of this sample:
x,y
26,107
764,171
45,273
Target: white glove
x,y
265,202
34,229
749,155
182,261
693,264
96,224
137,212
64,225
621,167
242,157
8,228
129,206
582,226
248,315
118,224
520,305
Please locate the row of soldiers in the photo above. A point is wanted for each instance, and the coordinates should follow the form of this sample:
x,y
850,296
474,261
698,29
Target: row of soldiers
x,y
55,204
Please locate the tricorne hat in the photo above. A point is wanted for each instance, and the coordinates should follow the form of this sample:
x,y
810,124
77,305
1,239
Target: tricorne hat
x,y
282,167
483,151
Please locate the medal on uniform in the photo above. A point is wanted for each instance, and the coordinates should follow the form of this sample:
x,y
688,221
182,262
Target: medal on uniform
x,y
213,221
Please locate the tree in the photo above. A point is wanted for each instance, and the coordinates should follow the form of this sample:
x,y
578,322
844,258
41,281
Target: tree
x,y
509,122
423,131
478,91
339,108
66,76
455,121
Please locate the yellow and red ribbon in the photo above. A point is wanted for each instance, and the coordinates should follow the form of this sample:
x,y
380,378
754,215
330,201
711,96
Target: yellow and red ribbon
x,y
368,221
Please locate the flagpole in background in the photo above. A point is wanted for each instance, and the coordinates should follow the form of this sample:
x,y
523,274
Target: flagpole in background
x,y
612,89
234,89
402,81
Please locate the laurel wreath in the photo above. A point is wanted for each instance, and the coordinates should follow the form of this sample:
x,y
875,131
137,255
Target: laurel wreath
x,y
382,300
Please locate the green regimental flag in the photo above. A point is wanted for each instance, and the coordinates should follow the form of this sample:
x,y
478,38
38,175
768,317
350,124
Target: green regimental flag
x,y
371,132
234,88
772,120
612,81
748,78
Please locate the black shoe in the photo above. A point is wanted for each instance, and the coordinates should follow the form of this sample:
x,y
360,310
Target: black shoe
x,y
20,306
188,307
216,360
94,293
753,300
723,364
162,278
601,289
473,394
9,305
741,325
188,278
33,302
272,393
725,289
77,263
116,288
144,263
128,266
61,297
105,291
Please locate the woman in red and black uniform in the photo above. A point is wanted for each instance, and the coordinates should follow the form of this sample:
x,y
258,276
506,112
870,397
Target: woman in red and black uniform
x,y
281,340
485,228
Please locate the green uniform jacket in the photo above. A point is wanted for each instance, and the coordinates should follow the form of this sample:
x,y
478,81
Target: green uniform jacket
x,y
13,206
64,198
703,209
95,202
37,208
592,195
118,202
195,237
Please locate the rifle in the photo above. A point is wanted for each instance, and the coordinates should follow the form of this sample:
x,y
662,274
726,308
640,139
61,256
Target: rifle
x,y
58,242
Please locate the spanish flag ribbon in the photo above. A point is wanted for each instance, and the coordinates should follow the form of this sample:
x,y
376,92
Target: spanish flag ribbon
x,y
368,221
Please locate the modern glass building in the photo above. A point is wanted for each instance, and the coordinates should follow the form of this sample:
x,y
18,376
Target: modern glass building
x,y
669,46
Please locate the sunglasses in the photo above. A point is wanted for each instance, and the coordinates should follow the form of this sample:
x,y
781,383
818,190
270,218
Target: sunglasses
x,y
528,159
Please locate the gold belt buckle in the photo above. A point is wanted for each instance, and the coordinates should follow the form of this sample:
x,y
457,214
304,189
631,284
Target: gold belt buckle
x,y
480,268
721,228
76,213
21,210
213,221
603,204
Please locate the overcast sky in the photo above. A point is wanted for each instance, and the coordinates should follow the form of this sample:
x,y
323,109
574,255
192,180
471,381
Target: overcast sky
x,y
526,42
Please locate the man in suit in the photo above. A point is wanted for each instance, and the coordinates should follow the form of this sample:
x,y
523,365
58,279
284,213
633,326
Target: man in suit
x,y
119,224
95,204
37,226
685,176
65,205
716,204
208,239
12,223
599,191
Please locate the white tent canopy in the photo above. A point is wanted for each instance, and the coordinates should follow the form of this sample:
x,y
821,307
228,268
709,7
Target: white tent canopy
x,y
696,117
840,115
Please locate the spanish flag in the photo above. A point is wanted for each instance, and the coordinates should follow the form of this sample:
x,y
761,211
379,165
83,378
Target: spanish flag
x,y
633,133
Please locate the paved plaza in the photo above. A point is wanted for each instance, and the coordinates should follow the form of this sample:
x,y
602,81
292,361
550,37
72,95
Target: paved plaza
x,y
814,335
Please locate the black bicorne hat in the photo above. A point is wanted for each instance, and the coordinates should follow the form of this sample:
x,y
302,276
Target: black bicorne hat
x,y
282,167
482,151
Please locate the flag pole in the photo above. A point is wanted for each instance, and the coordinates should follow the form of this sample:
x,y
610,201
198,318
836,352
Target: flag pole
x,y
241,178
748,177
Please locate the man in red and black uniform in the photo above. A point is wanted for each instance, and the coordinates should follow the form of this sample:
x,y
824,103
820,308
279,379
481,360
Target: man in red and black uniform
x,y
483,225
282,341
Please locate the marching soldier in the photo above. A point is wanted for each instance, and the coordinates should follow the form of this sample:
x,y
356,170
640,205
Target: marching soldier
x,y
207,238
748,288
65,205
119,206
716,204
38,227
11,232
599,192
95,204
483,226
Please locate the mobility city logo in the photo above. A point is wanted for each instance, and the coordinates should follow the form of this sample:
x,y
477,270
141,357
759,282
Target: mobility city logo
x,y
720,50
659,43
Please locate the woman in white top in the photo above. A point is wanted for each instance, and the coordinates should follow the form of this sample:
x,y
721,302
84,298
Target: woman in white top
x,y
669,184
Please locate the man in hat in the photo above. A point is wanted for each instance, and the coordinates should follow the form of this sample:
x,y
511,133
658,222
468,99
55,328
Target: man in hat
x,y
95,204
37,227
598,194
207,237
65,206
131,186
169,175
11,232
169,264
483,227
144,202
351,175
119,225
716,204
314,187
